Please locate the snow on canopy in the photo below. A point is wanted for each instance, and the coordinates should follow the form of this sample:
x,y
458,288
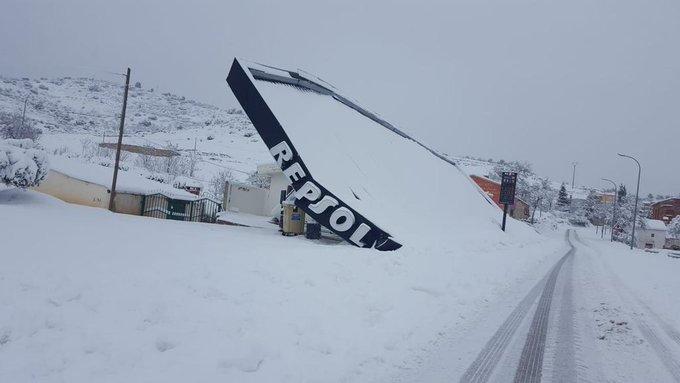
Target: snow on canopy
x,y
402,186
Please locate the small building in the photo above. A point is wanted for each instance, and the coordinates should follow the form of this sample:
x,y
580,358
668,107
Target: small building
x,y
666,210
520,210
607,198
89,185
651,234
262,201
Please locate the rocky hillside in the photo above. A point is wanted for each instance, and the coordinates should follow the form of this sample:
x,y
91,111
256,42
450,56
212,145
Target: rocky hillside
x,y
86,105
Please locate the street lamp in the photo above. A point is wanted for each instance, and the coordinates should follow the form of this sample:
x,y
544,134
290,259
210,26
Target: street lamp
x,y
637,192
613,207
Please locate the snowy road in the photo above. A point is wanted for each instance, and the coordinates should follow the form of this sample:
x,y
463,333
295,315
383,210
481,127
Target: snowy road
x,y
584,321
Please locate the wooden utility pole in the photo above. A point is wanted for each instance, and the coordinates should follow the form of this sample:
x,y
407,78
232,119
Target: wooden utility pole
x,y
120,142
23,115
193,160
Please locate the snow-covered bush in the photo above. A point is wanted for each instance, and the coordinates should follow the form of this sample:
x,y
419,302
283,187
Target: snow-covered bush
x,y
674,228
24,143
259,180
160,177
22,167
217,183
182,182
12,127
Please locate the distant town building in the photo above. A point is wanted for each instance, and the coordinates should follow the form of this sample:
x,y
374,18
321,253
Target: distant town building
x,y
607,198
666,210
651,235
520,210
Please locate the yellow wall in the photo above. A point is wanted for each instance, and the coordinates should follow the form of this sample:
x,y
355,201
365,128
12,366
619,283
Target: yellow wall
x,y
85,193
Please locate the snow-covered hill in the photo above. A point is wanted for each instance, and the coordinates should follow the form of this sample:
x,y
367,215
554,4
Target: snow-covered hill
x,y
76,114
86,105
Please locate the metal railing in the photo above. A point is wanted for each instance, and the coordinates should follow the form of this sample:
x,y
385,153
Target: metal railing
x,y
162,206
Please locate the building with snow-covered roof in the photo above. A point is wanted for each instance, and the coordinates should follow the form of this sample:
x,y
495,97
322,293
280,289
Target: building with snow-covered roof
x,y
651,234
89,185
518,210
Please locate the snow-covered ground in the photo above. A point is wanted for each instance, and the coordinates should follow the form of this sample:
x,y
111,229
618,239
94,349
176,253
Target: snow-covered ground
x,y
87,295
629,318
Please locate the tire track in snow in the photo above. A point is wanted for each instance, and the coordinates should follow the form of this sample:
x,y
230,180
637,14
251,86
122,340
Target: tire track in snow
x,y
564,363
481,368
661,350
530,367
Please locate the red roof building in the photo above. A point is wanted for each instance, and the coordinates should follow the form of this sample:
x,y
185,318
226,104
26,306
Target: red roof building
x,y
666,210
520,210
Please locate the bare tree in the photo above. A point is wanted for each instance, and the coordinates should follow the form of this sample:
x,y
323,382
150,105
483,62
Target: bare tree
x,y
217,184
84,145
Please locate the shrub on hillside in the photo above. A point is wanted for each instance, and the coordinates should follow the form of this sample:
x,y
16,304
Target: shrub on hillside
x,y
12,127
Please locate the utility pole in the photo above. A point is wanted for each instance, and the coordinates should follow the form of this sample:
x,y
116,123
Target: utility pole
x,y
637,191
193,160
23,115
614,203
120,141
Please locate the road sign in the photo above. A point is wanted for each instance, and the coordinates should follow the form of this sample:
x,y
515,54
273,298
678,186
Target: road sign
x,y
507,197
508,183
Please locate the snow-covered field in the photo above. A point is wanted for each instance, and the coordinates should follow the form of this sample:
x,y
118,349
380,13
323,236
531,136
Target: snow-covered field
x,y
87,295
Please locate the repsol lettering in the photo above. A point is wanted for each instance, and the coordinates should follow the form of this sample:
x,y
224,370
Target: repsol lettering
x,y
320,204
312,197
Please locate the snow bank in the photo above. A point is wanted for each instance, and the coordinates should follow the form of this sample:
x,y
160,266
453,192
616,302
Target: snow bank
x,y
167,301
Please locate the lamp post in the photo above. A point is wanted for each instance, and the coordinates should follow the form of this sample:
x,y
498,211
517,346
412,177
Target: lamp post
x,y
637,192
613,207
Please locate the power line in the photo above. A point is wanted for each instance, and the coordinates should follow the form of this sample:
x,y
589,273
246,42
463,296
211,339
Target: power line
x,y
224,167
92,115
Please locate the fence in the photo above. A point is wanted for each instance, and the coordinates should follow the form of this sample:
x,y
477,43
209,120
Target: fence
x,y
162,206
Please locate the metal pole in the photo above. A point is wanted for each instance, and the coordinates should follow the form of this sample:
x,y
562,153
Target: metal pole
x,y
573,176
613,207
637,192
505,214
120,141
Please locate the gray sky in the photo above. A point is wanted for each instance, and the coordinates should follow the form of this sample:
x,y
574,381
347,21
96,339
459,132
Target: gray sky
x,y
547,82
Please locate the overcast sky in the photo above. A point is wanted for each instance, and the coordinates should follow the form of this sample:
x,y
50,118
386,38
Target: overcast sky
x,y
542,81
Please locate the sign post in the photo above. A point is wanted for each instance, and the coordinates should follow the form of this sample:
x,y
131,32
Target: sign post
x,y
507,197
